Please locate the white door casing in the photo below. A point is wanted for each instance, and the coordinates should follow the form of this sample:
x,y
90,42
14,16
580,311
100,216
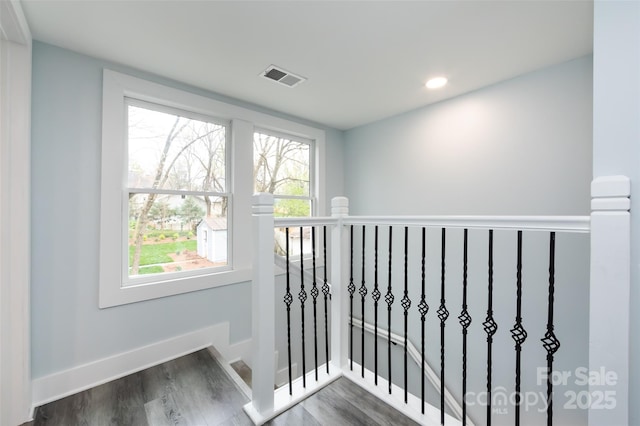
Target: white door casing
x,y
15,113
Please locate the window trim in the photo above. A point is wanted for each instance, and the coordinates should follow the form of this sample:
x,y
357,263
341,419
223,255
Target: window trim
x,y
117,87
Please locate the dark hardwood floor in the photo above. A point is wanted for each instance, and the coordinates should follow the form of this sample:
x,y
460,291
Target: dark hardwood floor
x,y
196,390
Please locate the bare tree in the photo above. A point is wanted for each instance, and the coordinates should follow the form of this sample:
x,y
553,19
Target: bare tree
x,y
213,164
271,155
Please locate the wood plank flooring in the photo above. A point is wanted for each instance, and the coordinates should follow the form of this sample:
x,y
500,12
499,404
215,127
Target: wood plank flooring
x,y
195,390
343,403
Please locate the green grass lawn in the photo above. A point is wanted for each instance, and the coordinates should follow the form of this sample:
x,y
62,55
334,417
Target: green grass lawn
x,y
152,254
155,269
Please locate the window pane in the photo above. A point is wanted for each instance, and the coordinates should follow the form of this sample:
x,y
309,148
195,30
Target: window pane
x,y
286,207
280,165
172,233
167,151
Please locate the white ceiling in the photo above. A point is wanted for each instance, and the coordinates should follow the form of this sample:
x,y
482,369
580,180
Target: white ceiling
x,y
364,60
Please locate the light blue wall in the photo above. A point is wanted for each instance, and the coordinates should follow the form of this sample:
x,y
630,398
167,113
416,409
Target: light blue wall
x,y
68,329
522,146
616,136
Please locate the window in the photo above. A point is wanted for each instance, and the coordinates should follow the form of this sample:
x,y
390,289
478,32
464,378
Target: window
x,y
176,177
176,187
282,167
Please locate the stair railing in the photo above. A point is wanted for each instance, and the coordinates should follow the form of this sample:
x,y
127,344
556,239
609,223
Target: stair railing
x,y
346,287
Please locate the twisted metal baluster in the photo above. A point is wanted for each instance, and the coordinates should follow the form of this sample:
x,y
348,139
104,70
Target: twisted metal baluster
x,y
423,308
363,293
465,321
406,304
352,288
389,299
376,297
443,314
550,343
288,299
518,333
314,295
302,296
490,327
325,292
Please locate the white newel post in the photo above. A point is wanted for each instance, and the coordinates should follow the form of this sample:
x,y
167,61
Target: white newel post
x,y
263,304
609,298
339,312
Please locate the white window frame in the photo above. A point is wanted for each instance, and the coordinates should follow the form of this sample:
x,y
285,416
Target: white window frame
x,y
116,87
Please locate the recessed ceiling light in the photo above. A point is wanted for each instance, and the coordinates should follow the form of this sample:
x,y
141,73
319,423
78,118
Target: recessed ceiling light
x,y
436,83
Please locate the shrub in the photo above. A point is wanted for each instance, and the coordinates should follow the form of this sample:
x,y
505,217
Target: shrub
x,y
161,237
175,236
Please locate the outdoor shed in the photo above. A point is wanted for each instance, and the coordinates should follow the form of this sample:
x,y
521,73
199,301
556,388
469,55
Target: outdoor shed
x,y
211,234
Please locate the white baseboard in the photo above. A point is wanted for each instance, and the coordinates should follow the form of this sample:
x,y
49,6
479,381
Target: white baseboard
x,y
64,383
238,351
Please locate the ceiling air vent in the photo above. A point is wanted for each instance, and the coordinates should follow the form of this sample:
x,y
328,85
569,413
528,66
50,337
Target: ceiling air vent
x,y
281,76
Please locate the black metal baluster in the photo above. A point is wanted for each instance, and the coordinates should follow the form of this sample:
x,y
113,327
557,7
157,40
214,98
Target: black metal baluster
x,y
325,292
423,308
314,295
443,314
288,299
518,332
363,293
352,288
302,296
465,321
550,341
376,297
406,304
490,327
389,299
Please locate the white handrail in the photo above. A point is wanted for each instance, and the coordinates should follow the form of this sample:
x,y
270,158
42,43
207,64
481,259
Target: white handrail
x,y
580,224
575,224
284,222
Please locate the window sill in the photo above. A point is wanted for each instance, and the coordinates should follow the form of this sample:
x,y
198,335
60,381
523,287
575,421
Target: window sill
x,y
115,295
